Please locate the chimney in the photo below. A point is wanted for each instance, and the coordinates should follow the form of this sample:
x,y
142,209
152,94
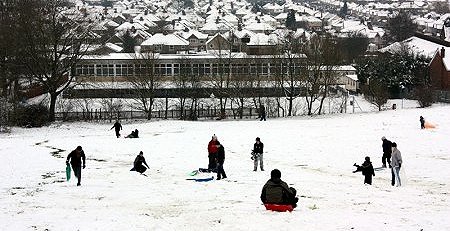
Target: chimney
x,y
443,52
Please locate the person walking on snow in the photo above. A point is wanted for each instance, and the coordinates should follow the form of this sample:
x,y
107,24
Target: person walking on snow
x,y
262,113
138,163
220,160
387,150
213,146
396,164
77,159
117,127
367,170
258,150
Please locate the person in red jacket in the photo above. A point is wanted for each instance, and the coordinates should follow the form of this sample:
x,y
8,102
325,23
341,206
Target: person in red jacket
x,y
213,147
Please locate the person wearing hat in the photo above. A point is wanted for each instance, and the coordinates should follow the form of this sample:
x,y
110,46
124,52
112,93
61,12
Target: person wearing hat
x,y
213,148
387,150
138,163
367,170
396,164
276,191
77,159
258,149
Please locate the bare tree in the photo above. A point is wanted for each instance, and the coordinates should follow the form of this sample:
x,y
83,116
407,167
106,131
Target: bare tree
x,y
182,82
53,43
145,80
290,66
376,92
221,77
330,59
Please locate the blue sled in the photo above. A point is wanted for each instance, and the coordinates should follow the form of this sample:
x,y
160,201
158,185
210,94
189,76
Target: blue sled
x,y
201,179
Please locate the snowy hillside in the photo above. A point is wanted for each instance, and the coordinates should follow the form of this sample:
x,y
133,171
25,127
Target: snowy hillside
x,y
315,155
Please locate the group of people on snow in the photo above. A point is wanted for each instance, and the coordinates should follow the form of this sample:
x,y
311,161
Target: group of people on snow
x,y
275,191
391,155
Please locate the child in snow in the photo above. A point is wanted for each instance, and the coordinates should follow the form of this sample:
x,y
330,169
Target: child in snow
x,y
367,170
117,127
138,163
220,160
276,191
134,134
422,122
257,154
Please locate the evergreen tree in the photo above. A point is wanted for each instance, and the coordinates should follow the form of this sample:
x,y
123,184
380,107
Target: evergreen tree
x,y
400,27
128,43
290,20
344,10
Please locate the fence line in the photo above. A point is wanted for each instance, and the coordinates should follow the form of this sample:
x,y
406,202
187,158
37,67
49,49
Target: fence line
x,y
201,113
442,96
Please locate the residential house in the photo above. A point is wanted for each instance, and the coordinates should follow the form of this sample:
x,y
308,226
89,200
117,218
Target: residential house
x,y
439,70
165,44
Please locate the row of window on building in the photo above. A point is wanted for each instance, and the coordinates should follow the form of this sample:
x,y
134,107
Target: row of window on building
x,y
171,69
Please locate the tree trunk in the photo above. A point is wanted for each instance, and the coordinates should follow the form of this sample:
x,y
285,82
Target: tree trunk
x,y
51,112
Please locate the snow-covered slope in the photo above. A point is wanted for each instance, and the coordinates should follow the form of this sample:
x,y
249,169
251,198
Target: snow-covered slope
x,y
315,155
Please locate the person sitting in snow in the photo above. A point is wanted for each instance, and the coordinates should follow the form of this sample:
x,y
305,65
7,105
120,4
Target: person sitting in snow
x,y
276,191
367,170
134,134
138,163
77,160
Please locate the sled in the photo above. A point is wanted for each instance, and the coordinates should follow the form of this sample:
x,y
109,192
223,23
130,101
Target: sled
x,y
429,125
193,173
201,179
68,171
279,208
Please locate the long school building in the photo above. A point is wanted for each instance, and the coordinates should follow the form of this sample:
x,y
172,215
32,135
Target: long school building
x,y
208,67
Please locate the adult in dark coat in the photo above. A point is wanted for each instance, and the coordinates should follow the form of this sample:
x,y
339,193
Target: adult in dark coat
x,y
387,150
220,161
276,191
367,170
139,163
117,127
262,113
77,160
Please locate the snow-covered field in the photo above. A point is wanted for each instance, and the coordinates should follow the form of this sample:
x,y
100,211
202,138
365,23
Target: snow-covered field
x,y
315,155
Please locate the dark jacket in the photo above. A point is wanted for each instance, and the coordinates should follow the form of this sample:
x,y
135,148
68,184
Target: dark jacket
x,y
139,161
367,168
221,154
258,148
75,158
117,126
387,146
276,191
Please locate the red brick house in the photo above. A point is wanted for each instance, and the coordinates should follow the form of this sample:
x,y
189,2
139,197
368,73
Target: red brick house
x,y
439,69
